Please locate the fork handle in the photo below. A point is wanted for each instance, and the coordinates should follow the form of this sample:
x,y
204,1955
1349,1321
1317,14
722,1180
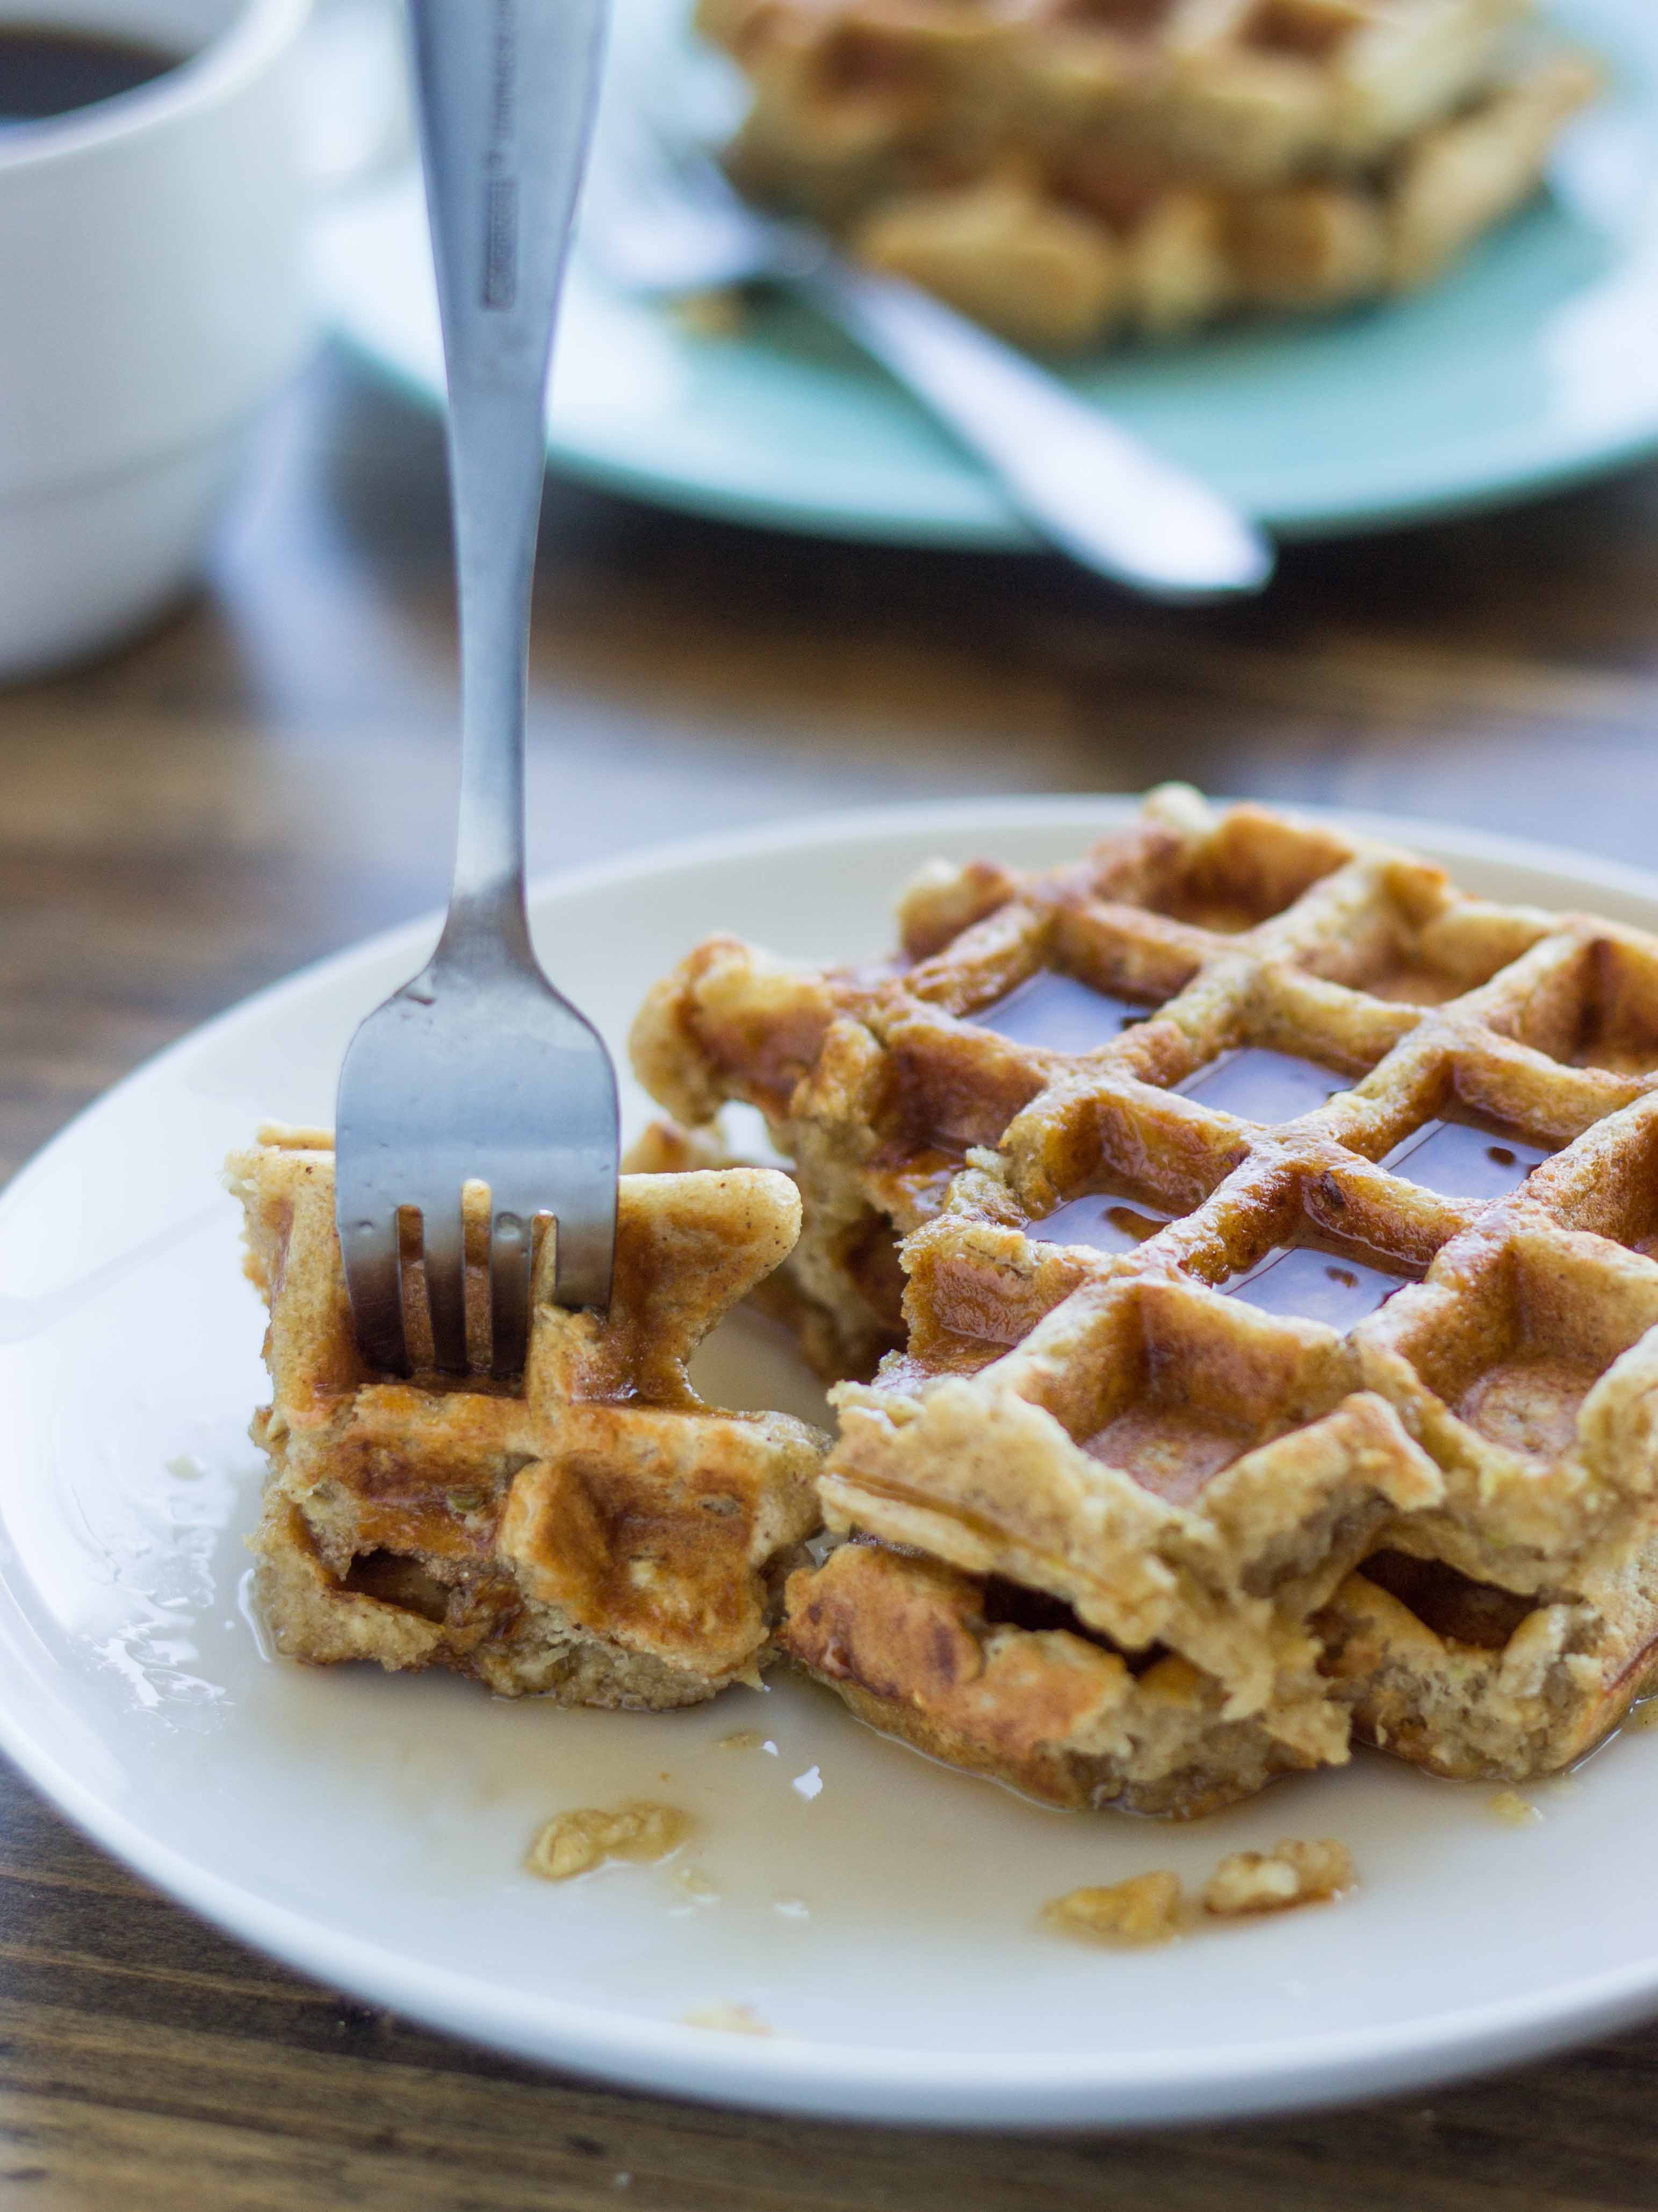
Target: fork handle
x,y
1108,501
505,92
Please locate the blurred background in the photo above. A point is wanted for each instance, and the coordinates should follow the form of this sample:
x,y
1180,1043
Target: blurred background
x,y
266,771
768,585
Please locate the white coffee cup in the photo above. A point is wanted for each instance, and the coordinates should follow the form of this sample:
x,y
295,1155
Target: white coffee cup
x,y
152,298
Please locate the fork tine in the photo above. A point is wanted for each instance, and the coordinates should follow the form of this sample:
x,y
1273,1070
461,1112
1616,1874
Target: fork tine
x,y
375,1279
442,1234
585,1255
509,1291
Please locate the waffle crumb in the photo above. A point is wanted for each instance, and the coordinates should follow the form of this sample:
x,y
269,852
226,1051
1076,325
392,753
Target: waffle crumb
x,y
1645,1715
575,1843
727,2018
741,1739
1146,1909
1273,1881
1513,1810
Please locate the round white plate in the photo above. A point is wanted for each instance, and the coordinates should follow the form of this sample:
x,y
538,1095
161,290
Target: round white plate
x,y
878,1913
1530,365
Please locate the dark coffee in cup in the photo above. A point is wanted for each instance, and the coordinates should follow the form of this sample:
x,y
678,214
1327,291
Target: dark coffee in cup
x,y
46,71
152,297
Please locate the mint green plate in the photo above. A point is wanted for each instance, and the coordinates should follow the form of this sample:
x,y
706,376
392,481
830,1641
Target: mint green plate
x,y
1534,365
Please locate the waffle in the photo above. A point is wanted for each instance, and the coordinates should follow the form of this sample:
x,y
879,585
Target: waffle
x,y
1067,172
595,1533
1276,1228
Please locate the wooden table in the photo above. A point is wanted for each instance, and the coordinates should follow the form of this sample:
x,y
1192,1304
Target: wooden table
x,y
269,777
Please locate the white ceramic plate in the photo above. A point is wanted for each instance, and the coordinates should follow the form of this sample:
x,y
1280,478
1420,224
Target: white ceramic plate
x,y
1530,365
879,1912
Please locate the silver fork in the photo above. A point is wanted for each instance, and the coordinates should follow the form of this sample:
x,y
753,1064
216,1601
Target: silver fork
x,y
478,1070
660,216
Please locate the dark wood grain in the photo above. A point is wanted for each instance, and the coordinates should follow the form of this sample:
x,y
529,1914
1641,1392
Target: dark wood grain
x,y
268,776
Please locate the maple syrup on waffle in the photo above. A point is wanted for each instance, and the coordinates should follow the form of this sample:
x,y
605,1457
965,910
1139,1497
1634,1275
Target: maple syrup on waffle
x,y
1258,1083
1060,1013
1314,1282
1468,1159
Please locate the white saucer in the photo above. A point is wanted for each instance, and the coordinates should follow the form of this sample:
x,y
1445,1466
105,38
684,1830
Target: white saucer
x,y
370,1829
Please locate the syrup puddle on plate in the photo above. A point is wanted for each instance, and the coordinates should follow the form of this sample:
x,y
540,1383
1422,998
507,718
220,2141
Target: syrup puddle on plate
x,y
822,1853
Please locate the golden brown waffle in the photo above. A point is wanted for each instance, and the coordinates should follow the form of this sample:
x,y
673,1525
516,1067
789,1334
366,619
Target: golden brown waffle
x,y
1063,169
595,1533
1158,1132
938,1657
871,1083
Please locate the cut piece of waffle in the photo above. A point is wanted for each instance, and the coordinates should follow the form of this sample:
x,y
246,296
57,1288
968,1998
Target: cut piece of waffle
x,y
1503,1634
595,1533
1275,1227
1063,172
